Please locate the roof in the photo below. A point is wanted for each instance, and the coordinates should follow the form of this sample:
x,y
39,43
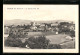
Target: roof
x,y
54,24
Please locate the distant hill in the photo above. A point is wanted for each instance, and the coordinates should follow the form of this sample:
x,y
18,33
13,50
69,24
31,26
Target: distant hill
x,y
53,21
21,22
16,22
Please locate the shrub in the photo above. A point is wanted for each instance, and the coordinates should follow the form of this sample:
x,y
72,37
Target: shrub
x,y
13,42
37,42
72,33
41,42
54,46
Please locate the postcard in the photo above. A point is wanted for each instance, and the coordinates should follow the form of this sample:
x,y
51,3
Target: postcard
x,y
40,28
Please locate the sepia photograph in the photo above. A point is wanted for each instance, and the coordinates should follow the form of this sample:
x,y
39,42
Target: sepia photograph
x,y
40,29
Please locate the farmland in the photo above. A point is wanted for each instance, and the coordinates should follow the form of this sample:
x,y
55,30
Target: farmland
x,y
54,39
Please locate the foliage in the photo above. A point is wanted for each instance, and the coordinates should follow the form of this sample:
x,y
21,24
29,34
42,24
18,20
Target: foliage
x,y
41,42
66,30
54,46
72,33
37,42
13,42
17,33
62,27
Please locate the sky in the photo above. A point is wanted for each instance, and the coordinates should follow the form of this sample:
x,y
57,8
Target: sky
x,y
44,12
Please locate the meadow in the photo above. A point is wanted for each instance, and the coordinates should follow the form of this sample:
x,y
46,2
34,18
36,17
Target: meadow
x,y
54,39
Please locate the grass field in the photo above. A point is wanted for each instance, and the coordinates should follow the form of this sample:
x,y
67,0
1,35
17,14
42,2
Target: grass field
x,y
54,39
57,39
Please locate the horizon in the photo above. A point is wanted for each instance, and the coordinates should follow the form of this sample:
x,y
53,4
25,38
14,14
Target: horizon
x,y
39,20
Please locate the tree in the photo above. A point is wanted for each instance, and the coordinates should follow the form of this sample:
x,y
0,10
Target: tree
x,y
41,42
37,42
63,27
18,26
72,33
13,42
27,26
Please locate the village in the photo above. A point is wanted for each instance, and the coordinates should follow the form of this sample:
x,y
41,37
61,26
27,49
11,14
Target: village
x,y
56,30
40,27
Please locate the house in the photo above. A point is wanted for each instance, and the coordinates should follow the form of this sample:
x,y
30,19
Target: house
x,y
40,29
33,23
54,24
33,27
42,25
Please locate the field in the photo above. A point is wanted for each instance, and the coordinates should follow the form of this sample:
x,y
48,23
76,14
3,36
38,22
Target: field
x,y
54,39
57,39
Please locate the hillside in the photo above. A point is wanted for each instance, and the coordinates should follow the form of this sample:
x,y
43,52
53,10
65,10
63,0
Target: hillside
x,y
21,22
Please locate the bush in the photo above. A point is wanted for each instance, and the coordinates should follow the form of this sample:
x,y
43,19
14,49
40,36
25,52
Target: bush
x,y
72,33
41,43
13,42
32,42
54,46
37,42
